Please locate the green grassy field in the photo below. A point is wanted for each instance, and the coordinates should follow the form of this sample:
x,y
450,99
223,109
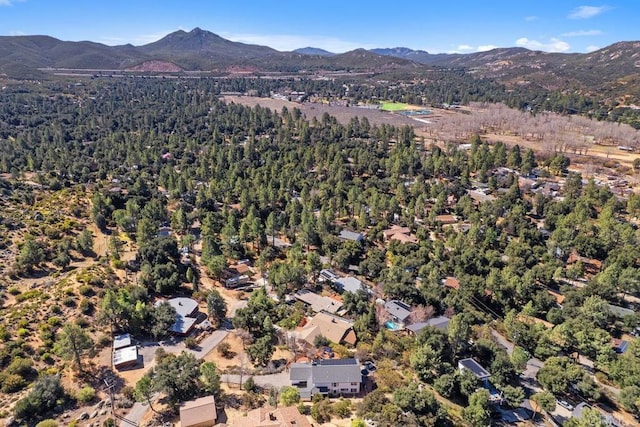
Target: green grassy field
x,y
395,106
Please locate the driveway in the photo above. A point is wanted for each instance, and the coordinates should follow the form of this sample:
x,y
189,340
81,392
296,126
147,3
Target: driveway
x,y
267,381
147,351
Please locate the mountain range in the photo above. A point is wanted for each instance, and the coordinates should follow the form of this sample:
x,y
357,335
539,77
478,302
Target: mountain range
x,y
607,69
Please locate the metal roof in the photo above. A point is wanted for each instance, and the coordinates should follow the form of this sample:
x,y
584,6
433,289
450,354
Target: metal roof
x,y
336,371
121,341
349,284
397,309
474,367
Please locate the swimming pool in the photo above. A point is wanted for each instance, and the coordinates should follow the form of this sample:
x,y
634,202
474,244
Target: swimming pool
x,y
392,326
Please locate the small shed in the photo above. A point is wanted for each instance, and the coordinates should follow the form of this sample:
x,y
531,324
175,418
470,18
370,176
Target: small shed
x,y
199,412
125,357
120,341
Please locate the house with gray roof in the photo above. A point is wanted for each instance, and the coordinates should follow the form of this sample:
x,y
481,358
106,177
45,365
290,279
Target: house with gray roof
x,y
440,322
397,310
318,303
351,236
475,368
334,377
348,284
327,275
186,310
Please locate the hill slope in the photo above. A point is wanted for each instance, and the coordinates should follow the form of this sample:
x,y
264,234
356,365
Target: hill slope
x,y
612,72
313,51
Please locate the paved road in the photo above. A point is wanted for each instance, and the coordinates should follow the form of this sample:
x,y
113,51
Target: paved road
x,y
136,412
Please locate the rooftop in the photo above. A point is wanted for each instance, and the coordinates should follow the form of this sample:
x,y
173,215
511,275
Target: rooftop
x,y
451,282
267,416
125,355
332,327
349,284
183,306
317,302
326,371
120,341
474,367
398,309
440,322
351,235
198,411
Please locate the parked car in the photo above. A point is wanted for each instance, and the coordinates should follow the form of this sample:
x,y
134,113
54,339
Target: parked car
x,y
370,366
565,404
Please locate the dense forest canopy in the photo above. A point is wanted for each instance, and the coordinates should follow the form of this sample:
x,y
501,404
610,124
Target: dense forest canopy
x,y
153,152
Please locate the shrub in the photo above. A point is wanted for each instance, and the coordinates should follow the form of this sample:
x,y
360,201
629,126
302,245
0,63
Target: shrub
x,y
104,341
4,334
43,396
55,309
304,409
54,321
69,302
320,341
128,392
21,366
13,383
86,290
86,394
342,408
23,332
224,350
190,342
47,423
14,290
321,411
250,386
83,322
86,306
29,295
289,396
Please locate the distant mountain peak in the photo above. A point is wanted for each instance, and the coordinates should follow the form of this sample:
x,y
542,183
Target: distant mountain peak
x,y
313,51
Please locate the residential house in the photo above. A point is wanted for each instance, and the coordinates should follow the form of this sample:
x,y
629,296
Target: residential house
x,y
398,312
591,266
619,346
334,377
334,328
446,219
352,236
186,310
317,302
348,284
474,367
451,283
328,276
267,416
199,412
558,297
400,234
620,312
440,322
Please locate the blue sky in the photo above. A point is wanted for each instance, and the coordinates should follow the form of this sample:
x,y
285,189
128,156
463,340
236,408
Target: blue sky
x,y
435,26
